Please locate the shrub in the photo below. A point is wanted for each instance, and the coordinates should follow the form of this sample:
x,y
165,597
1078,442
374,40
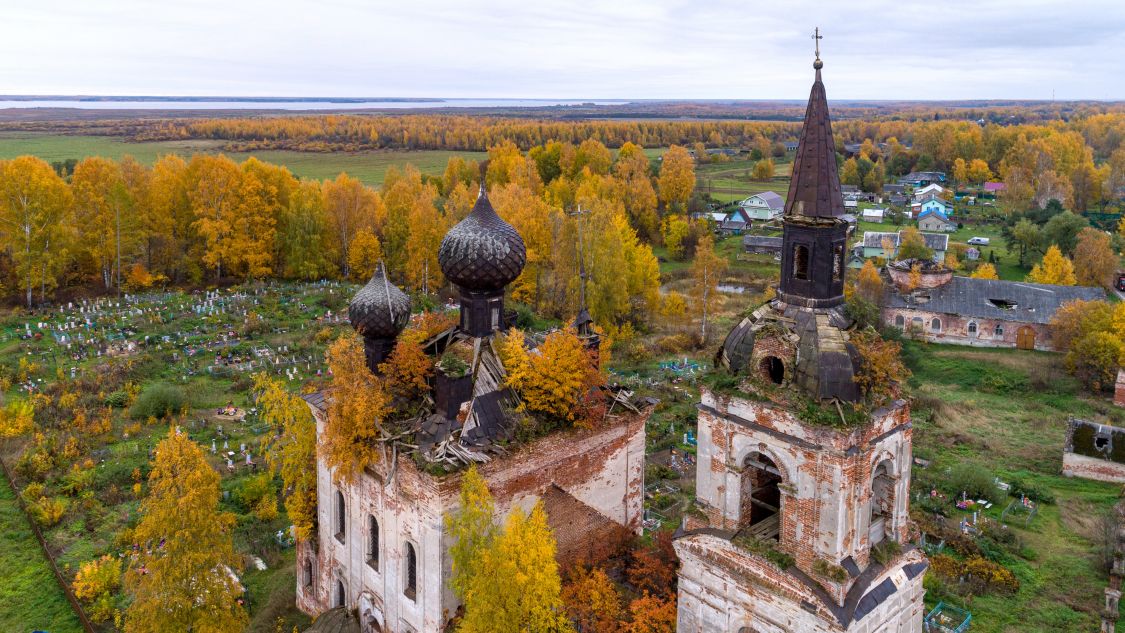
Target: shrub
x,y
117,399
886,551
835,573
1038,494
94,585
974,480
160,400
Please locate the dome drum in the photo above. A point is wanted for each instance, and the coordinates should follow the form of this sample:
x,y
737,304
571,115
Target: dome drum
x,y
378,313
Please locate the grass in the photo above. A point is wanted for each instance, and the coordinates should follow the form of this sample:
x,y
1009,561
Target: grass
x,y
369,166
30,598
1006,411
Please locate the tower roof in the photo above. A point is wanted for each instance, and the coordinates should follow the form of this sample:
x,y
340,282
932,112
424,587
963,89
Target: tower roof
x,y
379,309
482,252
814,190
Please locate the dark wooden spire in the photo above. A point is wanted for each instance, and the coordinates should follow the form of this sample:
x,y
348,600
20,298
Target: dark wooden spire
x,y
814,189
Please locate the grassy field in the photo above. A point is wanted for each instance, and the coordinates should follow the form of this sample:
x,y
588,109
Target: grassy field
x,y
369,167
1005,412
30,598
731,181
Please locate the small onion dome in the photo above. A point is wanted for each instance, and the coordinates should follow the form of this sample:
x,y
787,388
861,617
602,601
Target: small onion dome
x,y
482,252
379,309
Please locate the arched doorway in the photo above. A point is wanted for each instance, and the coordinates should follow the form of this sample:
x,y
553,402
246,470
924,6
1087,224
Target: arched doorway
x,y
882,502
1025,337
760,508
370,615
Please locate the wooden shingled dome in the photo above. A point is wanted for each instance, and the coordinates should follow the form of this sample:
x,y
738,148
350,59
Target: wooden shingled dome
x,y
379,309
482,253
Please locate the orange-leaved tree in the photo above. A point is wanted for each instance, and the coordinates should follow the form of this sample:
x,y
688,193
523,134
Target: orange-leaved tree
x,y
290,449
1055,269
555,380
357,405
182,578
592,601
881,368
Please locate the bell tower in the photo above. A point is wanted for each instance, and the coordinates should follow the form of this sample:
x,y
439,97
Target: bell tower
x,y
814,231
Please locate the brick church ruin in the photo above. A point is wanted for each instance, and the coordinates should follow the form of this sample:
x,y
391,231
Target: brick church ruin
x,y
800,521
380,550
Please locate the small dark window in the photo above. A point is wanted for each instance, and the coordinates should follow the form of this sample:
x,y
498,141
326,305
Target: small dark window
x,y
801,261
339,594
900,322
972,327
341,517
935,325
373,542
308,575
838,262
999,330
411,589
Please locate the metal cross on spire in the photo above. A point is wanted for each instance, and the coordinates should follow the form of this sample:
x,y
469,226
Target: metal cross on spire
x,y
817,37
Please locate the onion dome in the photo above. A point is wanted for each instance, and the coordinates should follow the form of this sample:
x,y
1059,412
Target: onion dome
x,y
379,309
482,252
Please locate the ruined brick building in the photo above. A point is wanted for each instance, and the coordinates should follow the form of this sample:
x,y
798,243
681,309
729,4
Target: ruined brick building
x,y
800,523
380,549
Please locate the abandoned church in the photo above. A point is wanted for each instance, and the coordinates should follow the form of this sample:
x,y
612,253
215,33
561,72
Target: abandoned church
x,y
801,515
380,550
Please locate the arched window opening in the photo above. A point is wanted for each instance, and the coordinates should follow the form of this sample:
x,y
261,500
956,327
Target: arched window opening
x,y
838,262
801,261
307,575
972,328
341,517
882,502
340,602
999,330
760,510
773,369
373,542
410,589
900,321
935,324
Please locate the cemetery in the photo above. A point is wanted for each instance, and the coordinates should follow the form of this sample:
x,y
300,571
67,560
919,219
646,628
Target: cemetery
x,y
107,378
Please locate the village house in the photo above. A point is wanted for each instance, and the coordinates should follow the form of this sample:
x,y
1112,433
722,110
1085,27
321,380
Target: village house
x,y
945,308
930,189
934,220
761,244
994,188
788,512
875,241
380,548
765,206
931,202
734,223
873,215
922,178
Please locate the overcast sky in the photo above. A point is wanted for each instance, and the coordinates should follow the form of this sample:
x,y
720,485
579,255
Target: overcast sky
x,y
702,49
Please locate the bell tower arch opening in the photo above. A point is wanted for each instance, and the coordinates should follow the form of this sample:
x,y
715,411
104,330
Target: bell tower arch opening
x,y
760,506
882,502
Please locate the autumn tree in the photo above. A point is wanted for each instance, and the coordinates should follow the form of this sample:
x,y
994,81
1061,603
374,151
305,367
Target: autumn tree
x,y
960,171
95,584
652,614
1079,318
677,178
849,173
232,217
364,254
351,207
166,221
290,449
34,205
471,529
550,382
706,270
358,403
675,233
763,169
869,284
1055,269
592,601
985,271
182,578
912,245
881,369
978,171
1095,359
407,369
17,418
304,234
1095,262
652,568
105,210
1025,238
518,588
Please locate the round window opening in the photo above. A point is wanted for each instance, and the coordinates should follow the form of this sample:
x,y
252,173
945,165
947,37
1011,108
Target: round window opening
x,y
773,368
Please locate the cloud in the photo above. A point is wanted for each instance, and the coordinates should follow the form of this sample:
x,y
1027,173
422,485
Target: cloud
x,y
722,49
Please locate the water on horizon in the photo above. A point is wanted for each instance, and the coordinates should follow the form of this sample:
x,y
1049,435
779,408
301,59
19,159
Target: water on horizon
x,y
235,104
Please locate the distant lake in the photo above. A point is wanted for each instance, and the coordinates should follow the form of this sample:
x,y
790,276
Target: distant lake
x,y
110,103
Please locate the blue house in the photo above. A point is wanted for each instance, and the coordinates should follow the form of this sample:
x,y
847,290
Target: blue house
x,y
932,203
